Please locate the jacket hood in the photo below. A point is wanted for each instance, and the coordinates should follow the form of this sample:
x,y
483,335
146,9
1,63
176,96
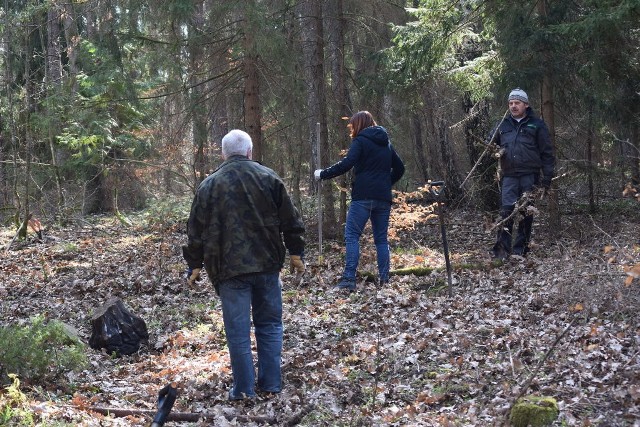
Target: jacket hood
x,y
377,134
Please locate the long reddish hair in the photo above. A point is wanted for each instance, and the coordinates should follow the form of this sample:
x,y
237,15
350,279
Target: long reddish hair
x,y
359,121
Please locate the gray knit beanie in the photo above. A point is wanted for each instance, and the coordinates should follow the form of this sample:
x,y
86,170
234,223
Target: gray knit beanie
x,y
519,94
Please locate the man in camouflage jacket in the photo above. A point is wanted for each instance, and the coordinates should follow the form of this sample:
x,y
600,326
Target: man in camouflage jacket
x,y
242,222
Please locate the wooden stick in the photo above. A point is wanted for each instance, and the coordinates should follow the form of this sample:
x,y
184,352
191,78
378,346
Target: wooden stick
x,y
174,416
527,383
489,145
522,202
293,420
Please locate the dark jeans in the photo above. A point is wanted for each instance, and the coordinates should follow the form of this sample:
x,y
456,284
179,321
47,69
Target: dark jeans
x,y
512,189
361,211
262,295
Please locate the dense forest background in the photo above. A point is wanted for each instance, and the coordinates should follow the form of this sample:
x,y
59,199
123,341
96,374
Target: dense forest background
x,y
112,112
111,105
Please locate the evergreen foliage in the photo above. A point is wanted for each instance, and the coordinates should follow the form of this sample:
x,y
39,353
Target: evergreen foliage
x,y
104,105
40,351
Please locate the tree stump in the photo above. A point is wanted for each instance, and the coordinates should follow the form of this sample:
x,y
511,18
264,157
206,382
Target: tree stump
x,y
117,330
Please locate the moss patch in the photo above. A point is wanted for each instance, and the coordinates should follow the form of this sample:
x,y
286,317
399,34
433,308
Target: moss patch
x,y
534,411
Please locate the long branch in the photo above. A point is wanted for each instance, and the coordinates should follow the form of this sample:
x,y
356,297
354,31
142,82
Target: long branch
x,y
490,145
294,419
521,203
527,383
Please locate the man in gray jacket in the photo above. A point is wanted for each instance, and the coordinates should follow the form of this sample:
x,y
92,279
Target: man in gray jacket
x,y
242,222
527,162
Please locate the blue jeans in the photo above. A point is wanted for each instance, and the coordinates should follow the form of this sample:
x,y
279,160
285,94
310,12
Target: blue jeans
x,y
360,211
261,294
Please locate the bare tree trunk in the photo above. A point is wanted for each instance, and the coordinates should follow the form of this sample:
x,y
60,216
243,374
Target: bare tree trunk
x,y
72,40
635,153
341,99
28,100
54,63
8,78
53,77
592,202
548,116
434,158
310,13
418,143
196,92
448,159
252,105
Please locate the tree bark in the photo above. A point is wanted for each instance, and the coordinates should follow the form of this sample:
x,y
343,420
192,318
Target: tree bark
x,y
310,18
590,168
252,105
6,42
548,115
197,106
72,39
635,154
418,143
341,99
54,83
29,102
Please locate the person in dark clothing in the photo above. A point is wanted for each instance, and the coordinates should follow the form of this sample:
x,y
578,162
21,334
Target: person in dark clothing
x,y
376,167
527,162
239,218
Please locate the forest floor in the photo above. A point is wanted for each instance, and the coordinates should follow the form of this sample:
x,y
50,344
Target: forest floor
x,y
563,322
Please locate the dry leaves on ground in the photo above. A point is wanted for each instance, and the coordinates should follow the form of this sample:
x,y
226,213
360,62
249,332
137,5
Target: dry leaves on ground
x,y
403,354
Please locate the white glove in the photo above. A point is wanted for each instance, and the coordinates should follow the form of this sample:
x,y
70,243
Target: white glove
x,y
316,174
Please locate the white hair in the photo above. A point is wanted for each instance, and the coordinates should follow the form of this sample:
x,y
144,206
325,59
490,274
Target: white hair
x,y
236,143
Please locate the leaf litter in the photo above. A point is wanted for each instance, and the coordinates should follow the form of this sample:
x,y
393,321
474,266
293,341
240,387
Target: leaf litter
x,y
402,354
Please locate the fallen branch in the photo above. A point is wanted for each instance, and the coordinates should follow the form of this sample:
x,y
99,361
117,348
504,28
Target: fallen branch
x,y
196,416
22,229
527,383
522,203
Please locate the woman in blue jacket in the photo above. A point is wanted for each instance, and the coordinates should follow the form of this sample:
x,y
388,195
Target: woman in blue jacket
x,y
376,167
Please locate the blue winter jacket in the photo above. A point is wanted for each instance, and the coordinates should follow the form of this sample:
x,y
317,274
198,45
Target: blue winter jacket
x,y
375,163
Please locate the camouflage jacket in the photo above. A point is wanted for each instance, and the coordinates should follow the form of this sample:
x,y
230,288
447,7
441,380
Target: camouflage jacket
x,y
241,221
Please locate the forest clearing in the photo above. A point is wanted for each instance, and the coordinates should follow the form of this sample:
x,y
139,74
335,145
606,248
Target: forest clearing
x,y
562,323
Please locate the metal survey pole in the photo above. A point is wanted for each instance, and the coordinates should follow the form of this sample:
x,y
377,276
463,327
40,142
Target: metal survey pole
x,y
437,190
319,159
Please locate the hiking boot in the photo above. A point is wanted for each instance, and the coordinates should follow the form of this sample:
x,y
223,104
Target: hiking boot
x,y
240,397
520,251
499,254
346,285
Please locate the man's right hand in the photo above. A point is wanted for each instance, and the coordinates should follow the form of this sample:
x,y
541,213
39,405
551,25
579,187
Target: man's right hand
x,y
193,274
297,265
